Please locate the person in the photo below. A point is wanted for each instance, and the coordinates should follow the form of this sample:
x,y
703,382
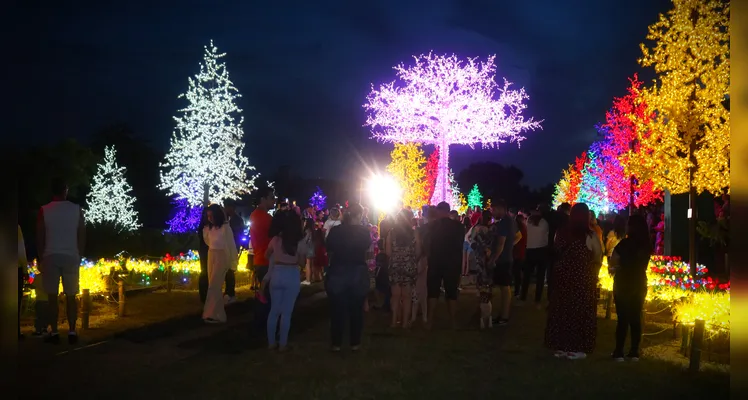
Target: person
x,y
595,227
202,251
236,223
288,251
616,234
333,221
222,256
628,266
22,265
347,279
518,255
61,236
660,236
571,326
480,242
445,237
309,248
259,236
537,255
403,246
560,218
504,236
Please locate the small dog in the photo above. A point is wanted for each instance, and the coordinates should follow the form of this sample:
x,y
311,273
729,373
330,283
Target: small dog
x,y
485,310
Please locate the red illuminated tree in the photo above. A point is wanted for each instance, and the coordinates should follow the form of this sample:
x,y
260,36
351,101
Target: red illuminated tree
x,y
620,142
432,170
575,177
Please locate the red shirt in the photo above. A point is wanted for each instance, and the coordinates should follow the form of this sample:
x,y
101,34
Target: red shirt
x,y
259,230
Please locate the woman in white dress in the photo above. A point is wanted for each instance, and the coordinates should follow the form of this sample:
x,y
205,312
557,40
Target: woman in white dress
x,y
222,256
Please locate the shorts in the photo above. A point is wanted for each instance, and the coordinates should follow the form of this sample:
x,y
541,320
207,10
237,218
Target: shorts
x,y
502,274
446,275
61,266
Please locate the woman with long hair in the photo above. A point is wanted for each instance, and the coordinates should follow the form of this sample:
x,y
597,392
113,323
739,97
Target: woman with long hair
x,y
347,278
403,246
222,256
572,313
287,252
537,255
628,265
616,234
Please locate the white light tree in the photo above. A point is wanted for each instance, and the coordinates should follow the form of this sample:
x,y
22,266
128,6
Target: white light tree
x,y
444,101
110,200
207,146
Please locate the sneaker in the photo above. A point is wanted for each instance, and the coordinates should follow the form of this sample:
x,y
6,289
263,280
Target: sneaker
x,y
617,357
72,338
559,354
229,299
502,322
355,348
211,321
633,357
576,356
306,283
53,338
335,349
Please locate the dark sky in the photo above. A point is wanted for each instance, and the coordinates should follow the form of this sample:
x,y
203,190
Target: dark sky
x,y
305,67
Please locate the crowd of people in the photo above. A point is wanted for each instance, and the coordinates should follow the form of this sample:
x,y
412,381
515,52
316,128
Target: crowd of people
x,y
414,257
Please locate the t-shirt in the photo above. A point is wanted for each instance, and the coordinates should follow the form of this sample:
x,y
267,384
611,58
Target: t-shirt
x,y
280,256
507,228
259,235
329,224
237,228
347,245
631,273
537,235
445,238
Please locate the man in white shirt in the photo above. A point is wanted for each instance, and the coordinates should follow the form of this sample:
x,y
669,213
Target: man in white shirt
x,y
61,234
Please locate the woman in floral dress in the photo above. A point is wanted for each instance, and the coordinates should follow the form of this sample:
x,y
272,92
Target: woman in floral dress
x,y
480,242
402,248
572,313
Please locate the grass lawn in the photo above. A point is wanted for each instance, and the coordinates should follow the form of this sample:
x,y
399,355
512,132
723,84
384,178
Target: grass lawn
x,y
508,362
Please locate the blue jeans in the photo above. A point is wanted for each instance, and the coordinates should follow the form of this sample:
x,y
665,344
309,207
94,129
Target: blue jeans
x,y
285,284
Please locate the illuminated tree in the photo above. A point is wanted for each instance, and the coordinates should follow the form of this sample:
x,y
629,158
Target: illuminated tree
x,y
207,147
185,218
110,200
474,198
463,205
689,133
592,188
454,189
620,143
444,101
432,170
318,199
567,189
561,192
407,168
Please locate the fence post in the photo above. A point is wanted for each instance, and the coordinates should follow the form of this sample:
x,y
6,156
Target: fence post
x,y
684,339
121,298
608,304
168,278
85,308
696,344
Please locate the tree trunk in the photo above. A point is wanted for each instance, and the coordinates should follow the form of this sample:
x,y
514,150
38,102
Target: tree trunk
x,y
442,191
692,211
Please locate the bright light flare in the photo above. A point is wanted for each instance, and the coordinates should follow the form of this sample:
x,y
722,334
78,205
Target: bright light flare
x,y
385,192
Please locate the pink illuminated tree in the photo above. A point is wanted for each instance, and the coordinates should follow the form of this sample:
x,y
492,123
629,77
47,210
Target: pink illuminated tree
x,y
442,101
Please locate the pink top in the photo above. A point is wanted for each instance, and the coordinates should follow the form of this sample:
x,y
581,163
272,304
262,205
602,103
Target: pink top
x,y
279,256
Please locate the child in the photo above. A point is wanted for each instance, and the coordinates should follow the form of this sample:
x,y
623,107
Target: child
x,y
40,307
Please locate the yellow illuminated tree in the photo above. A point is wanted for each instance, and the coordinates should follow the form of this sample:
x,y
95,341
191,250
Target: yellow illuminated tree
x,y
689,136
463,206
408,168
563,189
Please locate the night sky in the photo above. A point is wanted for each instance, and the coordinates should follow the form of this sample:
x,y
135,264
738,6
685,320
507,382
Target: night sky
x,y
304,69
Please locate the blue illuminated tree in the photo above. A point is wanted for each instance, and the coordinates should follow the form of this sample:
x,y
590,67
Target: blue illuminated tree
x,y
186,219
593,190
318,199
